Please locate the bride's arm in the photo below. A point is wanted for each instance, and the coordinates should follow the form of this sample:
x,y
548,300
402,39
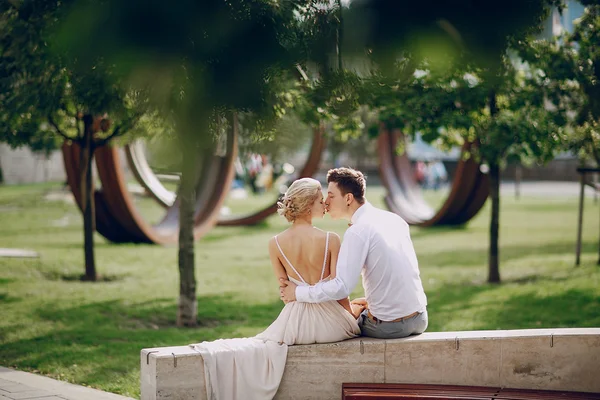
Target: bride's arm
x,y
334,250
278,268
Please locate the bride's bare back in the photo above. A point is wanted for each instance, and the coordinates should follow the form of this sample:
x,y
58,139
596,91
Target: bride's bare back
x,y
304,247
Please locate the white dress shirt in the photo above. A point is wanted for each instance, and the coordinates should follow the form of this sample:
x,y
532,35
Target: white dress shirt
x,y
378,246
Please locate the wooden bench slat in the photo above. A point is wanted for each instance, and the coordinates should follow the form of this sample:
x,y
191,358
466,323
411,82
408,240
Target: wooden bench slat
x,y
527,394
365,391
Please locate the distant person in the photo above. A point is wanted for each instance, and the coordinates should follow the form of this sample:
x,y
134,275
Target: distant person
x,y
437,174
238,180
253,166
420,172
264,180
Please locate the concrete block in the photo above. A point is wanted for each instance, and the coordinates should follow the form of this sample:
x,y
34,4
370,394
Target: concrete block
x,y
449,361
174,373
552,359
317,371
555,361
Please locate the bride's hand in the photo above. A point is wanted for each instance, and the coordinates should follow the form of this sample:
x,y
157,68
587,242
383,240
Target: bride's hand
x,y
287,290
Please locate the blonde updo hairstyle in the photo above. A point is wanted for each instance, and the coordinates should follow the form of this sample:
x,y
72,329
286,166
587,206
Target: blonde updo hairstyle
x,y
299,198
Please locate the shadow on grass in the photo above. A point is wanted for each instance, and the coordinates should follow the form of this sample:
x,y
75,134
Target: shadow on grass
x,y
79,277
105,338
99,243
470,257
535,278
571,308
5,298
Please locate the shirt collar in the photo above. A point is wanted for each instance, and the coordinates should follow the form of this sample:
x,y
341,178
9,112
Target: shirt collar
x,y
360,212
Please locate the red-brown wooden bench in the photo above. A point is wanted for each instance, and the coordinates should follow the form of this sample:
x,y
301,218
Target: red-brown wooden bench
x,y
370,391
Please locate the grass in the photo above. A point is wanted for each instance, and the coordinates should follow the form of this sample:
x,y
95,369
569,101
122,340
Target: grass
x,y
92,333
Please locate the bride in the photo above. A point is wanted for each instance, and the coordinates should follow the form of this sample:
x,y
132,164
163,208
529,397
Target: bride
x,y
252,367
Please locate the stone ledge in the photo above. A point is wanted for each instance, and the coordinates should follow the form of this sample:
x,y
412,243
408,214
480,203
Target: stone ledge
x,y
552,359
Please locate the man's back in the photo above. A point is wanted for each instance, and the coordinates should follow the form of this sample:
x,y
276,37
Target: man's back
x,y
391,276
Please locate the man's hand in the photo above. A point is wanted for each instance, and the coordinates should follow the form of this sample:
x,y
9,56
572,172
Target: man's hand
x,y
287,290
360,300
357,309
358,305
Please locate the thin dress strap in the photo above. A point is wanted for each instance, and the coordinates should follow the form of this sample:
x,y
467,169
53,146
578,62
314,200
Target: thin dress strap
x,y
288,261
326,253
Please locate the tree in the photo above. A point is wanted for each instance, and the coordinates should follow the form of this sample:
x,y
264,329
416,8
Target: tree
x,y
569,67
48,96
449,74
503,113
204,61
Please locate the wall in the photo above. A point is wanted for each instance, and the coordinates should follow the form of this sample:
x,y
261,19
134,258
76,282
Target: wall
x,y
21,166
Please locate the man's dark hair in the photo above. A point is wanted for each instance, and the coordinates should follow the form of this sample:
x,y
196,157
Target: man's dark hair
x,y
349,181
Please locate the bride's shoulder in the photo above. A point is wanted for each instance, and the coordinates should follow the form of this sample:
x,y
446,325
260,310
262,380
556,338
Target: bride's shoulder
x,y
321,234
334,239
278,237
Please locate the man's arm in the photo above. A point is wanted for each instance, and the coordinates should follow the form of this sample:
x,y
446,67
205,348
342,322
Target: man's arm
x,y
352,257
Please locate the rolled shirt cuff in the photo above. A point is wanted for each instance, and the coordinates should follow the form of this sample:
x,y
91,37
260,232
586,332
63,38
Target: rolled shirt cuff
x,y
302,294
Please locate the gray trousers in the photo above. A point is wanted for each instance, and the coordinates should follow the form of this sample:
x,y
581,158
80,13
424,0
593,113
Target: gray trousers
x,y
392,330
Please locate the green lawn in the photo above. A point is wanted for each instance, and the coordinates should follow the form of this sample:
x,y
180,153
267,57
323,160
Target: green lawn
x,y
92,333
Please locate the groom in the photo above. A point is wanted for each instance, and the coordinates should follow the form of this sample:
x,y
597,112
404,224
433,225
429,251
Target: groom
x,y
378,245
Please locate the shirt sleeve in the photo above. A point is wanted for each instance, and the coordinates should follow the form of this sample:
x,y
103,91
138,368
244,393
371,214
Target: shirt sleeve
x,y
352,257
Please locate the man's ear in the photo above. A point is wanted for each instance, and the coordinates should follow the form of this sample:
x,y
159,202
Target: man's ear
x,y
349,198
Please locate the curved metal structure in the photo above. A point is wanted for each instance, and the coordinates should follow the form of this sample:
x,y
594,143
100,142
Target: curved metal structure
x,y
117,218
310,167
467,196
106,224
138,164
147,179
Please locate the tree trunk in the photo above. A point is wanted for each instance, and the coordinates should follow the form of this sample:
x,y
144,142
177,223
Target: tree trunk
x,y
518,176
188,307
494,270
493,261
87,198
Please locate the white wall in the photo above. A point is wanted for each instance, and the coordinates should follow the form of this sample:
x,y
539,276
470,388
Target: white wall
x,y
23,166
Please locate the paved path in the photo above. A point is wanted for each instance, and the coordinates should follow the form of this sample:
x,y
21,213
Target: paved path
x,y
18,253
17,385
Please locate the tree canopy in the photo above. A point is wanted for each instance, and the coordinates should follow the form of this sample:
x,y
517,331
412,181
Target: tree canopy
x,y
45,93
568,70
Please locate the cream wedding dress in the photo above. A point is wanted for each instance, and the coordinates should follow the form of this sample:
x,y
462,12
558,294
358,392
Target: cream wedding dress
x,y
251,368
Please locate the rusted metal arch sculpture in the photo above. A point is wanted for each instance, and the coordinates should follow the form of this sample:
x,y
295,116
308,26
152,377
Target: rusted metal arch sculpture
x,y
136,159
146,177
117,218
106,224
467,196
